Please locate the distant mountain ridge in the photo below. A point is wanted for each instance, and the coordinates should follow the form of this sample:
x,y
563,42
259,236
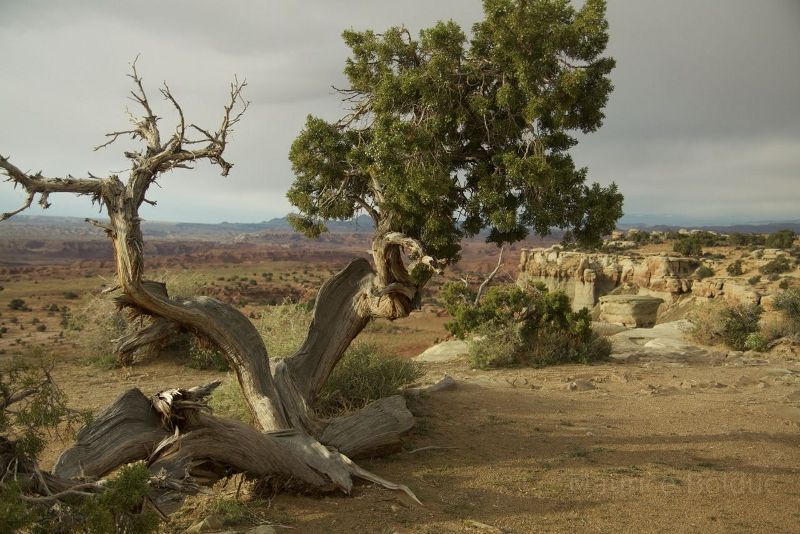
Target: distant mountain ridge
x,y
56,227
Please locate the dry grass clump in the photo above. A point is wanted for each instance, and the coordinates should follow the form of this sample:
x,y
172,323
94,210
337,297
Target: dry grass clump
x,y
366,373
284,327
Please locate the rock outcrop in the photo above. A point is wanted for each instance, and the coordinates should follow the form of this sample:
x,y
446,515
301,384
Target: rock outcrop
x,y
585,277
638,311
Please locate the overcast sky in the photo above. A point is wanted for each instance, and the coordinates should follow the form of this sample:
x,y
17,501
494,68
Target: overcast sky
x,y
703,125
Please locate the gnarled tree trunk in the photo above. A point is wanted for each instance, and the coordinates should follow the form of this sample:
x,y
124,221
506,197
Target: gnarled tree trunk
x,y
183,445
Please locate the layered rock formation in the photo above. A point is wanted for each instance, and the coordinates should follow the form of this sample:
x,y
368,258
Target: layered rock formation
x,y
638,311
585,277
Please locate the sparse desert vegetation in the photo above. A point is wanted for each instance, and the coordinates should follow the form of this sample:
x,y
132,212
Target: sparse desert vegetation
x,y
648,385
454,331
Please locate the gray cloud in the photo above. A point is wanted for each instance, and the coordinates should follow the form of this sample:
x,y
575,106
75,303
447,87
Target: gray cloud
x,y
704,118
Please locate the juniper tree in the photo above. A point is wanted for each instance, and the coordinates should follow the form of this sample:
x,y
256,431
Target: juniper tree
x,y
448,135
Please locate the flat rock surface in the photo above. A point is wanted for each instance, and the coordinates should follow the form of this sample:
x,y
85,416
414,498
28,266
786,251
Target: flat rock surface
x,y
446,351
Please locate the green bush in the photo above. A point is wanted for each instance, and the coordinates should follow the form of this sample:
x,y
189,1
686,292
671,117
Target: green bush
x,y
366,373
753,280
517,326
688,246
741,239
788,304
739,322
498,347
784,284
730,325
735,268
704,272
779,265
783,239
756,341
25,423
119,507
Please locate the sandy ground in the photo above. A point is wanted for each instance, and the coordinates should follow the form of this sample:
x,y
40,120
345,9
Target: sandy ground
x,y
646,446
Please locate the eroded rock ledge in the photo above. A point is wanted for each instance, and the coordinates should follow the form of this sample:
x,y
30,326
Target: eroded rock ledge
x,y
585,277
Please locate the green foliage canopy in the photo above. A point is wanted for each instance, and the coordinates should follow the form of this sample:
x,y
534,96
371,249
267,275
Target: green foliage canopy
x,y
448,135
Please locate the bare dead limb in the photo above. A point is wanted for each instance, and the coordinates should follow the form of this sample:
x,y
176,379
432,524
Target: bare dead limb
x,y
34,184
489,278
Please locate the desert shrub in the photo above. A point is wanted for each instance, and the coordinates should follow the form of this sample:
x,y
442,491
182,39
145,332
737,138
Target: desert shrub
x,y
730,325
365,373
515,326
26,423
94,325
688,246
707,324
778,265
203,355
735,268
739,322
506,346
71,295
284,327
33,407
231,511
782,239
119,507
742,239
784,284
753,280
756,341
17,304
498,347
775,326
97,322
704,272
788,304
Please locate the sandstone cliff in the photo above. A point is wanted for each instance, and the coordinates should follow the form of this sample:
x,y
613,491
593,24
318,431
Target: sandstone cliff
x,y
585,277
